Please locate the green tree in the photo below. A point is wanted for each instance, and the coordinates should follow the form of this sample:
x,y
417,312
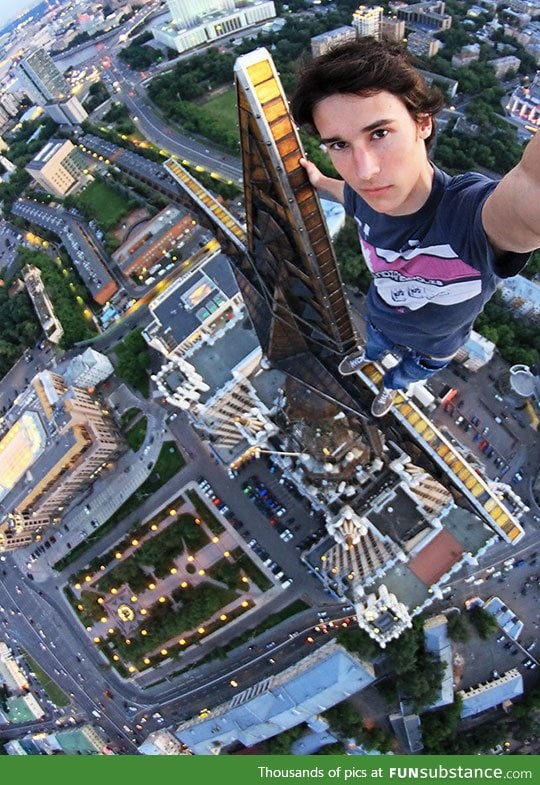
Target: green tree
x,y
458,627
357,641
439,728
133,363
483,621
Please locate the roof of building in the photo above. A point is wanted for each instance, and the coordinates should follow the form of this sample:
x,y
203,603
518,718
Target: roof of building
x,y
189,304
437,557
408,731
521,288
19,449
298,693
46,153
486,696
438,643
504,616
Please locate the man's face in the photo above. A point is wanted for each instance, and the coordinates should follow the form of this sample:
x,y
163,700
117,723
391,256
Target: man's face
x,y
378,149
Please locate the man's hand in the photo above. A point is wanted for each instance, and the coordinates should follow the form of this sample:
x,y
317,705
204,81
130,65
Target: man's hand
x,y
511,214
328,186
313,172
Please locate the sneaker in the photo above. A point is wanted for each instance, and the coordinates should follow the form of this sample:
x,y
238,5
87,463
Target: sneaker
x,y
352,363
383,402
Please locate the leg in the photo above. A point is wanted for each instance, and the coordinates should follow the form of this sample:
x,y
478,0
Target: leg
x,y
413,367
377,345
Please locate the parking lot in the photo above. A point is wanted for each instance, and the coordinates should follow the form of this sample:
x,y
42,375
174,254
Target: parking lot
x,y
492,426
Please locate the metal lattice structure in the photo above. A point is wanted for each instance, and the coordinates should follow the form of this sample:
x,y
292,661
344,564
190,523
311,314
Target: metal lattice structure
x,y
289,275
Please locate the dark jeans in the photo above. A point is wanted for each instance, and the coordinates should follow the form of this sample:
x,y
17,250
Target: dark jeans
x,y
412,367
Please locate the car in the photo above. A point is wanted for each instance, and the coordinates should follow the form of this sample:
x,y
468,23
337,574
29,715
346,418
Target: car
x,y
501,638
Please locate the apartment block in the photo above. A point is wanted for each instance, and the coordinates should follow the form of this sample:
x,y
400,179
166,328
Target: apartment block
x,y
58,167
428,15
56,440
320,44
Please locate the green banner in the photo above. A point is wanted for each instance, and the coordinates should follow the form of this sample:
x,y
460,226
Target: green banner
x,y
263,770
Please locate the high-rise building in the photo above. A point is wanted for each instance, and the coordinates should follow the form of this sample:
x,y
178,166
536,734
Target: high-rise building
x,y
45,85
389,565
367,20
423,43
320,44
68,112
55,442
196,23
41,79
188,13
58,167
393,29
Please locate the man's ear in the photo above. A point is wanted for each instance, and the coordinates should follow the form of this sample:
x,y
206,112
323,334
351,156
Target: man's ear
x,y
425,125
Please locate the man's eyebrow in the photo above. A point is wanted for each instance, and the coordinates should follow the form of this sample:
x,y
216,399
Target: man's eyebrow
x,y
366,129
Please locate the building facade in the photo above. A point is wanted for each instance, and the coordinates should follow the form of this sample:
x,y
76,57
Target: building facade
x,y
430,16
41,79
320,44
58,167
42,304
367,21
56,441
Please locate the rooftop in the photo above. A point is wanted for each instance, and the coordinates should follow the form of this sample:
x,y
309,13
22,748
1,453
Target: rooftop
x,y
186,306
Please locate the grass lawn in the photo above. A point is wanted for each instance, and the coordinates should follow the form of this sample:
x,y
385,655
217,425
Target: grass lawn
x,y
105,204
223,106
135,435
55,694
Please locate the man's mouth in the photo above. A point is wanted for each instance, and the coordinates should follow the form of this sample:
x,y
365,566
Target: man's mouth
x,y
378,191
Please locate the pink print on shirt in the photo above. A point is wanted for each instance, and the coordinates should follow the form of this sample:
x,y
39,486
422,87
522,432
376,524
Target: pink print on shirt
x,y
418,276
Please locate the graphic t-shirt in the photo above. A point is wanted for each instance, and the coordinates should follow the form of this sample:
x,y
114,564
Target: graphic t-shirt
x,y
434,270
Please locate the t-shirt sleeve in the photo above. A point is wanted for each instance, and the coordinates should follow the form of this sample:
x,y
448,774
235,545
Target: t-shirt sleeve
x,y
468,194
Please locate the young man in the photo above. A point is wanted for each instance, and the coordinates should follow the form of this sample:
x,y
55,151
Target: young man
x,y
435,245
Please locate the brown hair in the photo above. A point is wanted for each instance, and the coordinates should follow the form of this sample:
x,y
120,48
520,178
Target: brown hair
x,y
364,67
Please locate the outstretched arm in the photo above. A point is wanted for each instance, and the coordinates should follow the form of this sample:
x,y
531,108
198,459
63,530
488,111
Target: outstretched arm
x,y
326,185
511,215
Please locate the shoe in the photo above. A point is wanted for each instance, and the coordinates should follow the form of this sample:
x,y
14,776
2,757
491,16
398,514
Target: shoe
x,y
383,402
352,362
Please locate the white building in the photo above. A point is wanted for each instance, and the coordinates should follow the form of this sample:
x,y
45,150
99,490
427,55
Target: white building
x,y
68,112
189,13
367,20
202,29
88,369
298,694
162,742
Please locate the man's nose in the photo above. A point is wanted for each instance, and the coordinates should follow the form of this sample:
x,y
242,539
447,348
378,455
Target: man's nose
x,y
366,163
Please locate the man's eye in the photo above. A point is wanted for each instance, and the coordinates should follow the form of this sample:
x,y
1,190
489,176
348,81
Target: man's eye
x,y
380,133
337,146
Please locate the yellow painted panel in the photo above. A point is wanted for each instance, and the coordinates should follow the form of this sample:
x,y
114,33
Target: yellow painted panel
x,y
267,91
260,72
